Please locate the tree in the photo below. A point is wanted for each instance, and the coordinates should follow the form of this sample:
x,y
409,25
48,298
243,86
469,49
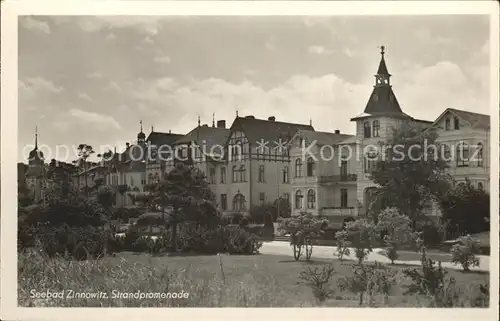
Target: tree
x,y
84,152
269,212
397,231
410,172
464,252
302,228
466,210
185,191
363,235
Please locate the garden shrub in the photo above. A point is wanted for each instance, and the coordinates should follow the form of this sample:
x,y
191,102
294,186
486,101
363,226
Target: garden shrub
x,y
431,280
342,244
317,278
239,241
80,243
464,252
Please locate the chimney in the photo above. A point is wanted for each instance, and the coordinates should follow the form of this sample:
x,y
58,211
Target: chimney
x,y
169,131
205,125
337,131
271,118
221,124
250,117
127,144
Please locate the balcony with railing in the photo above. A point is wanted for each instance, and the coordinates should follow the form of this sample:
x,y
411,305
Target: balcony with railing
x,y
338,211
336,179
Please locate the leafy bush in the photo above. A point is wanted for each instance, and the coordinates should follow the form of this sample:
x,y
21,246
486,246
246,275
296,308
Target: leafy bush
x,y
317,279
342,244
239,241
368,279
397,231
464,252
431,280
363,235
80,243
302,228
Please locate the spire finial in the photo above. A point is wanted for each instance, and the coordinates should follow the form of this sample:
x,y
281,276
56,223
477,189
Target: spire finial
x,y
237,113
382,50
199,121
36,137
213,119
152,128
140,122
310,121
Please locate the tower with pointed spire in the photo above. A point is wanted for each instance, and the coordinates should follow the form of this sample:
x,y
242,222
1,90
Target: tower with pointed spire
x,y
141,137
34,174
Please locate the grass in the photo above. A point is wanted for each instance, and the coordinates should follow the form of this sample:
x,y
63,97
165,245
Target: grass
x,y
210,281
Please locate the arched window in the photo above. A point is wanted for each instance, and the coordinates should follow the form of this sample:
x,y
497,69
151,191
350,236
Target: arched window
x,y
298,199
235,174
311,199
285,174
311,167
367,129
456,122
239,203
462,155
447,123
480,186
243,173
298,168
480,159
376,128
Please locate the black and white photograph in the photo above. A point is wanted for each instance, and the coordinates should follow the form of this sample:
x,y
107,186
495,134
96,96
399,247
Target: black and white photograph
x,y
222,160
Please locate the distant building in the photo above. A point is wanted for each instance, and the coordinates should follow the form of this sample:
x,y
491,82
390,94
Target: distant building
x,y
340,188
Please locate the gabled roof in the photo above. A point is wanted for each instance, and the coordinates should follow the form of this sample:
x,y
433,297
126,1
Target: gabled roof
x,y
322,138
210,136
269,131
475,120
162,139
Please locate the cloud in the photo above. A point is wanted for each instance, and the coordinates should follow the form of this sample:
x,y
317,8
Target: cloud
x,y
147,24
111,36
33,24
270,44
319,50
162,60
102,122
113,86
85,96
36,85
96,75
61,125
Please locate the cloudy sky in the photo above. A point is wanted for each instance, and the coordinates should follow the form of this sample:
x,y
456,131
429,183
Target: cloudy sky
x,y
92,79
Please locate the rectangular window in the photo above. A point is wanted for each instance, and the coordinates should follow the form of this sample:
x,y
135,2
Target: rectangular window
x,y
261,174
212,175
131,181
223,201
343,198
223,175
343,170
262,198
143,178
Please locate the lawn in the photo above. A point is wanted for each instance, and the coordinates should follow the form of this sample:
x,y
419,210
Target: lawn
x,y
211,281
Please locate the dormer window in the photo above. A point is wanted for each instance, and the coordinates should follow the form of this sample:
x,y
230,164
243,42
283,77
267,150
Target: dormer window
x,y
447,125
457,123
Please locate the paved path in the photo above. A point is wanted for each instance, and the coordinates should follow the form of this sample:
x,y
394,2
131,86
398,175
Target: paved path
x,y
329,252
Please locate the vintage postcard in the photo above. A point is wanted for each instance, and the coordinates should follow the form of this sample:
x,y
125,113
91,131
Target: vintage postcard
x,y
338,159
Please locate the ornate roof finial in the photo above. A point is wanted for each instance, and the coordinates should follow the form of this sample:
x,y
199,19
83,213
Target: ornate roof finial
x,y
36,137
382,50
213,119
152,128
310,121
140,122
237,113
